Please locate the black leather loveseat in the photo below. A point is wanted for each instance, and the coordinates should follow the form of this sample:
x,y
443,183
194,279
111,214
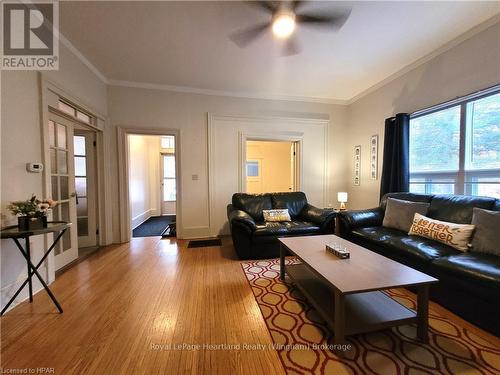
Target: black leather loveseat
x,y
253,238
469,281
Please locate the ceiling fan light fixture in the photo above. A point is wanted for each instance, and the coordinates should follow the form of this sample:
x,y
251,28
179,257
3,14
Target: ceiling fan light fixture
x,y
284,25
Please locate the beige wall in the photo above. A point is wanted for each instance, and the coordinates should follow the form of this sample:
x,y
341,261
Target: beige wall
x,y
21,143
157,109
143,175
276,166
470,66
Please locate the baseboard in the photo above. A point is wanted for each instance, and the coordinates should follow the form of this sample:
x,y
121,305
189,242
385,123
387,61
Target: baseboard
x,y
7,291
141,218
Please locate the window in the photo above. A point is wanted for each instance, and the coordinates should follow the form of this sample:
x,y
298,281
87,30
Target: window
x,y
82,220
169,193
76,113
456,150
168,142
253,168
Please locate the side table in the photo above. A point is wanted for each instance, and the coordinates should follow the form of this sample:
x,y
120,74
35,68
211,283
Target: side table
x,y
15,234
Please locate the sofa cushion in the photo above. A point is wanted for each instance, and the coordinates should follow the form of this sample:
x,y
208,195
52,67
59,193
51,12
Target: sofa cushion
x,y
457,208
286,228
399,214
378,234
294,202
485,238
302,227
476,269
400,243
496,206
422,248
253,204
270,228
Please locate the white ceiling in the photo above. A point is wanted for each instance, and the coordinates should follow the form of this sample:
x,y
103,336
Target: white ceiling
x,y
185,44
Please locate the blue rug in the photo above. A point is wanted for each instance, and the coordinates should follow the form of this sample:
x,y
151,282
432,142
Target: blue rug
x,y
154,226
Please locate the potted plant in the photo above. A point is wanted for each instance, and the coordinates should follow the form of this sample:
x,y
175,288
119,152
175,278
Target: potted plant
x,y
32,213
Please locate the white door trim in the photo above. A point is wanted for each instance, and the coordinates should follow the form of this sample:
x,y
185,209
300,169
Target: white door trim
x,y
124,203
212,119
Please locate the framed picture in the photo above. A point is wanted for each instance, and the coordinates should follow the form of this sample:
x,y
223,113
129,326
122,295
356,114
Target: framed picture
x,y
357,165
374,157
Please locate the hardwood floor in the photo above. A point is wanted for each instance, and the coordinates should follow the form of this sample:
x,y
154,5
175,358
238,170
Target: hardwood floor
x,y
125,299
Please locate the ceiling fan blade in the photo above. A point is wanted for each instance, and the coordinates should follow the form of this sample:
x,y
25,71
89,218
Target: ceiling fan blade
x,y
336,20
296,5
291,47
243,37
269,6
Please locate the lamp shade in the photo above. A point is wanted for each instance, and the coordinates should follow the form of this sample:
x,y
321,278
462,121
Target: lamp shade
x,y
342,196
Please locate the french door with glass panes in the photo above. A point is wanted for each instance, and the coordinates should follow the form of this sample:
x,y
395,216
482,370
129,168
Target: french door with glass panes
x,y
85,184
62,178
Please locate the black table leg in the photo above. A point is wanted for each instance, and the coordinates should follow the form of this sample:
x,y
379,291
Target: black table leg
x,y
30,283
33,270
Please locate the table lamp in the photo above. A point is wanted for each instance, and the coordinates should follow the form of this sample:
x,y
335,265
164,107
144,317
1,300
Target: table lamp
x,y
342,198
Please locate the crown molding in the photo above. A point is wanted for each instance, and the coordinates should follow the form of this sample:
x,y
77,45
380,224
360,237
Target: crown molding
x,y
445,47
233,94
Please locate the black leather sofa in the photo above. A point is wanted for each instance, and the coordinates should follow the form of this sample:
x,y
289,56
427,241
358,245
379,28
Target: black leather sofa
x,y
469,283
253,238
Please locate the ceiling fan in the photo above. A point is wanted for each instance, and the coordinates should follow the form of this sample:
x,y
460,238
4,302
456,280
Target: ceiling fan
x,y
285,17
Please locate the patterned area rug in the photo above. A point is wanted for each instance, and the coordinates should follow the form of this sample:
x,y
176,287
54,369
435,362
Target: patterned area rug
x,y
304,343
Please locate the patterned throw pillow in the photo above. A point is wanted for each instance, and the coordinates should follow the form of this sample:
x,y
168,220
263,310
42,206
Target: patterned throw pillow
x,y
276,215
451,234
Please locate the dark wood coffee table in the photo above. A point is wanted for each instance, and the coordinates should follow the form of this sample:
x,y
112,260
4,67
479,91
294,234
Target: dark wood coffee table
x,y
348,292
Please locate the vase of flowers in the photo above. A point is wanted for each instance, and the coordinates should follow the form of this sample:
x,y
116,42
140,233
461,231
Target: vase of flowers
x,y
32,213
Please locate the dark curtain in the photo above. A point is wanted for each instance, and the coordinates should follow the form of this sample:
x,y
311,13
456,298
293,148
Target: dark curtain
x,y
396,163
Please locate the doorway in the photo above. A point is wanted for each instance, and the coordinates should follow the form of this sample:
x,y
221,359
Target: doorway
x,y
270,166
152,182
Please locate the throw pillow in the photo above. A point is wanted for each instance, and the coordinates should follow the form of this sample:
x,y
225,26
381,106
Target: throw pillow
x,y
487,224
451,234
276,215
399,214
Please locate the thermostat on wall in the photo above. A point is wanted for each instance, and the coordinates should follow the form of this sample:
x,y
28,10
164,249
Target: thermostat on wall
x,y
34,167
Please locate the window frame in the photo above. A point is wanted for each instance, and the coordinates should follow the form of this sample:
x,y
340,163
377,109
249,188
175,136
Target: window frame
x,y
463,184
